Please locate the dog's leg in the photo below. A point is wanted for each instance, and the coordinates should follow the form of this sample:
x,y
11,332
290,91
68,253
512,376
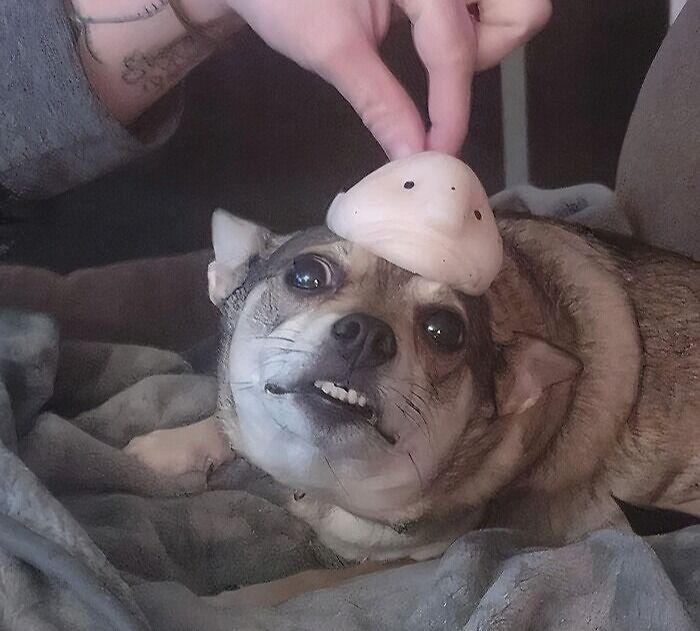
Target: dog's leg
x,y
279,591
201,446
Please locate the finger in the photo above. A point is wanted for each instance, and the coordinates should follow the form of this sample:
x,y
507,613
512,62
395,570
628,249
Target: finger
x,y
506,24
445,39
386,109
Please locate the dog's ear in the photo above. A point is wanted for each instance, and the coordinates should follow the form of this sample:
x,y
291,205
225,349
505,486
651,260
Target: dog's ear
x,y
531,367
235,242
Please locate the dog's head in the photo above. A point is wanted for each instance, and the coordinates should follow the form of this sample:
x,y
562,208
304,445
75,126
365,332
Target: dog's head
x,y
358,382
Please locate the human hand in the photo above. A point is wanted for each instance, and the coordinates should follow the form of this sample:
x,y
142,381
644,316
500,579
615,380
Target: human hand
x,y
339,40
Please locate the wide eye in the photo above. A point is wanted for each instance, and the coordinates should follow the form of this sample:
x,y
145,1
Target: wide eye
x,y
445,329
310,273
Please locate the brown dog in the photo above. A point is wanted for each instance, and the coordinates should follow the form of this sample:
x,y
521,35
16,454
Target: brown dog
x,y
408,413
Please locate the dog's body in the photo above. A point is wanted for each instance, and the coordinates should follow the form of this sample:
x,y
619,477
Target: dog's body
x,y
408,414
631,315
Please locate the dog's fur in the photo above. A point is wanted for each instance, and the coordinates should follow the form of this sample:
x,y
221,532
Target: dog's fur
x,y
578,384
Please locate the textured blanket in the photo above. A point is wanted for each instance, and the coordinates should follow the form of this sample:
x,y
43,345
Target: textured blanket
x,y
90,539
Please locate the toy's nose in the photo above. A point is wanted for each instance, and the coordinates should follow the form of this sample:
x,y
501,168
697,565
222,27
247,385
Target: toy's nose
x,y
364,341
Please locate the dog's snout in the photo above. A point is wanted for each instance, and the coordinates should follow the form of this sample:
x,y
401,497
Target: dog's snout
x,y
364,341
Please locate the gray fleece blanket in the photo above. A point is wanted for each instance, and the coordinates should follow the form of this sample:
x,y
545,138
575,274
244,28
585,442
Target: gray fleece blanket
x,y
90,539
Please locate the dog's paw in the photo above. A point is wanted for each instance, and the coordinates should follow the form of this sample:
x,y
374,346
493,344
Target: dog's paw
x,y
167,451
200,447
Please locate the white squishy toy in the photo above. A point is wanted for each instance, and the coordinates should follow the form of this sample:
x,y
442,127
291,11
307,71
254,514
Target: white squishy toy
x,y
427,213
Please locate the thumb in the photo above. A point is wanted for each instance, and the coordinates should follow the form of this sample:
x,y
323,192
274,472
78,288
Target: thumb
x,y
382,103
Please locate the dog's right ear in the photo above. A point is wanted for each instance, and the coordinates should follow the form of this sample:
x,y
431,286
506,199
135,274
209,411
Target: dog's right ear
x,y
235,242
531,368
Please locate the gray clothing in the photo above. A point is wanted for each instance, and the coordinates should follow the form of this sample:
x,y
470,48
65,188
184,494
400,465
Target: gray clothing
x,y
54,131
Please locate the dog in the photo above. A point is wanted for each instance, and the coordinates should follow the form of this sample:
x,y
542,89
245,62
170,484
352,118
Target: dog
x,y
401,413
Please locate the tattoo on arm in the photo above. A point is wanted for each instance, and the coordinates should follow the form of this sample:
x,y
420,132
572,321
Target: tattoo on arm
x,y
157,71
133,55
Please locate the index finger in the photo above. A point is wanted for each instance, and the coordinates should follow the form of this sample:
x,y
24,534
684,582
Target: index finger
x,y
445,39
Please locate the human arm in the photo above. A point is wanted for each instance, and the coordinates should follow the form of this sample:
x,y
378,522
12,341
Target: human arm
x,y
134,51
72,111
56,130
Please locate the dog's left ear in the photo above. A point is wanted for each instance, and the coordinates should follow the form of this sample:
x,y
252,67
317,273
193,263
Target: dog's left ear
x,y
531,368
235,242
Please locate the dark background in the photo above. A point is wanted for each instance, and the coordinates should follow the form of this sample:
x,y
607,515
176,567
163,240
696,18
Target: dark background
x,y
271,142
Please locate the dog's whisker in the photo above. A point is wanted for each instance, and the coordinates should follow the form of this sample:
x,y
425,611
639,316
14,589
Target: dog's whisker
x,y
283,350
272,360
383,391
411,382
417,470
274,337
432,392
285,429
284,331
410,403
337,479
277,352
243,388
420,398
293,344
408,416
417,409
421,427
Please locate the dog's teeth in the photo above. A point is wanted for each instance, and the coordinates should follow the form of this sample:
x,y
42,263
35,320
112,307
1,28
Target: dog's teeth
x,y
339,393
352,396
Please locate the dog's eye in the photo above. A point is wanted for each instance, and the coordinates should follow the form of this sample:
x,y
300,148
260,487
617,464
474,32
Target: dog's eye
x,y
446,329
310,273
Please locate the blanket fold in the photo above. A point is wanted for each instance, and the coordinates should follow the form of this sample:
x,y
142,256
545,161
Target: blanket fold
x,y
92,539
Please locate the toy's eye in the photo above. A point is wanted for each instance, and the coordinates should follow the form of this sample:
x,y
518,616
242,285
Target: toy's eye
x,y
309,272
445,329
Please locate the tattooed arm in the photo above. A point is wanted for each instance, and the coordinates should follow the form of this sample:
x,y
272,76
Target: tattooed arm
x,y
143,50
134,51
69,121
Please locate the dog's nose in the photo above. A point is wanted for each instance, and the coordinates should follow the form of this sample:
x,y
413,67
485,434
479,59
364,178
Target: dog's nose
x,y
364,341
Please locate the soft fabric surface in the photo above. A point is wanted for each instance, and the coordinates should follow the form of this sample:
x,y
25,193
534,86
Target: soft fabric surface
x,y
160,301
156,551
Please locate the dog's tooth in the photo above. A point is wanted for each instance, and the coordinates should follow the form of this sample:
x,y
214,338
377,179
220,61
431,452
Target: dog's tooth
x,y
327,388
362,400
340,394
318,384
352,397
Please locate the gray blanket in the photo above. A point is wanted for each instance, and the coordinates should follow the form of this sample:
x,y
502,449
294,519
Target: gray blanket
x,y
90,539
